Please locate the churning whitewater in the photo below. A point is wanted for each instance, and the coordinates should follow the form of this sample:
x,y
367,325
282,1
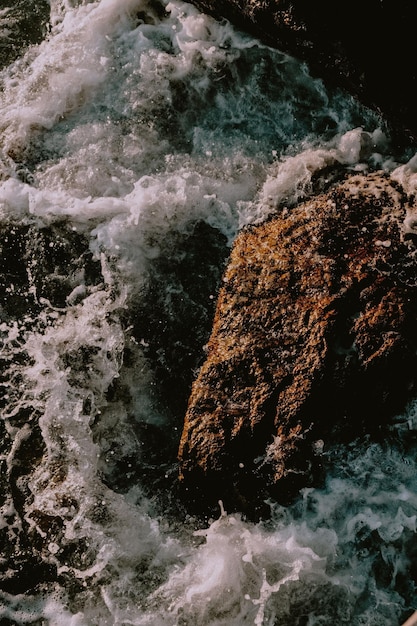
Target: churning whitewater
x,y
136,139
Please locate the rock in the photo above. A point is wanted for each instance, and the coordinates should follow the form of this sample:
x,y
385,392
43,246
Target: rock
x,y
46,268
366,48
172,317
314,342
23,23
50,264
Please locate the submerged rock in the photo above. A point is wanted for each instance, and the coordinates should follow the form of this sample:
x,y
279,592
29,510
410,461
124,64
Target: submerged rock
x,y
50,265
366,48
46,269
22,24
172,316
314,342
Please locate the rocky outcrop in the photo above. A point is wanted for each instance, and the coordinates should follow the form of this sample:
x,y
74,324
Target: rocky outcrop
x,y
365,47
314,341
22,23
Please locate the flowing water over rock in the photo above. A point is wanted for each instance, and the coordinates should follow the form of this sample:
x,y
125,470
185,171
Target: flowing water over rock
x,y
136,140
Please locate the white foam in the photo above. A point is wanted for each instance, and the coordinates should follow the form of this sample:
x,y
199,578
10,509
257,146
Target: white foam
x,y
289,180
238,571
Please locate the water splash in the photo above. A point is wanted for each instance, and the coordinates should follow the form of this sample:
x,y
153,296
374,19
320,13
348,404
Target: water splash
x,y
136,140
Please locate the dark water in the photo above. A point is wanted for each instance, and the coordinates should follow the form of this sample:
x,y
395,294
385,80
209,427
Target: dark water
x,y
136,139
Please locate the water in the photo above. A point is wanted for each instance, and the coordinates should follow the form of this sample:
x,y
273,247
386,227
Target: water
x,y
137,138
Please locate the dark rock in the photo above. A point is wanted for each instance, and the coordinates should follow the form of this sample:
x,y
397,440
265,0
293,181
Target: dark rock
x,y
23,23
46,269
43,265
173,315
366,48
314,342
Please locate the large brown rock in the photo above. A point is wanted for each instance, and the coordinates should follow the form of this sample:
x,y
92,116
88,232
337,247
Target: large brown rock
x,y
365,47
314,341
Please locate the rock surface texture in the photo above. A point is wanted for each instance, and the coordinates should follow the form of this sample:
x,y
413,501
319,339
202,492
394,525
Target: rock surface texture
x,y
22,23
314,341
365,47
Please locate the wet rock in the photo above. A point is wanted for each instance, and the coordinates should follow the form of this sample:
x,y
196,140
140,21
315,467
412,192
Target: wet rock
x,y
46,269
22,23
366,48
172,317
314,342
50,265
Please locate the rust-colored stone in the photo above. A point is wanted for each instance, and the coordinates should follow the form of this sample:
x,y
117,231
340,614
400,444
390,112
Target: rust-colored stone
x,y
314,338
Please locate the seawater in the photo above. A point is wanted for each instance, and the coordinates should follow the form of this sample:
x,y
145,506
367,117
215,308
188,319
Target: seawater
x,y
136,139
